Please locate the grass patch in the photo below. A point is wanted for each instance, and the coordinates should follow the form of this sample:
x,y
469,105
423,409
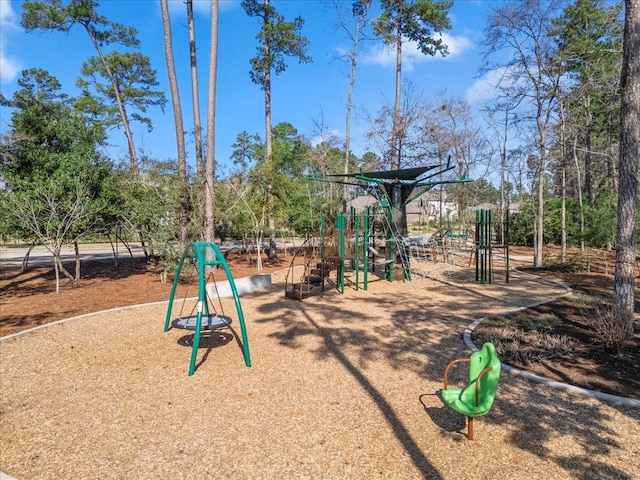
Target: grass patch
x,y
524,320
572,263
521,347
525,337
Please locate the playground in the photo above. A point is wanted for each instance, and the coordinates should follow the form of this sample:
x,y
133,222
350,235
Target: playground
x,y
340,386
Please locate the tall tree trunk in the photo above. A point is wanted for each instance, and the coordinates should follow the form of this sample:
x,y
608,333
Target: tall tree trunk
x,y
57,258
209,178
580,202
623,289
183,209
197,125
56,269
273,251
395,144
347,138
563,185
76,251
588,189
563,225
539,230
359,11
613,142
347,134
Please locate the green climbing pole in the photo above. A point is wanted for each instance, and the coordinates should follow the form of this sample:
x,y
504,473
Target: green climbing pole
x,y
340,228
484,246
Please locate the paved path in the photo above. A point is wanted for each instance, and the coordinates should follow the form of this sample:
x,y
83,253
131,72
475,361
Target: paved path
x,y
12,257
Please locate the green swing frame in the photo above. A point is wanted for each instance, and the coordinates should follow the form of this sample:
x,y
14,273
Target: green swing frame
x,y
206,254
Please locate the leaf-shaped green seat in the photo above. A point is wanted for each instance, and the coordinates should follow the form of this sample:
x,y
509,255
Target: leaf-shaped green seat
x,y
477,397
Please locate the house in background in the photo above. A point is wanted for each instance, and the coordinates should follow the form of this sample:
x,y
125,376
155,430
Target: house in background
x,y
512,207
425,209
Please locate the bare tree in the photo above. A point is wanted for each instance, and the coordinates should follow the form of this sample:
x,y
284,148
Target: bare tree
x,y
410,125
250,205
502,106
321,155
521,30
353,25
468,145
52,216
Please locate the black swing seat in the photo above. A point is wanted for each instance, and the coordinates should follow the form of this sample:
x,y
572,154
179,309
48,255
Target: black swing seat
x,y
211,321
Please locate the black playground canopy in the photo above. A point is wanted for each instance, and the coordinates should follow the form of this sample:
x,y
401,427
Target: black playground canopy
x,y
401,186
406,174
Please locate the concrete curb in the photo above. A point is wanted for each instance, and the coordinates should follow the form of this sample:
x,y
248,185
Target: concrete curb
x,y
243,285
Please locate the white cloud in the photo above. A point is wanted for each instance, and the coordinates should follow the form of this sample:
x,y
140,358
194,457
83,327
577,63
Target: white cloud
x,y
490,84
330,136
10,67
385,56
458,44
484,88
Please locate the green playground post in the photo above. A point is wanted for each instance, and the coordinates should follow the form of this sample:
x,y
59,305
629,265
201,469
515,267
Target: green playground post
x,y
355,221
365,251
477,244
341,233
506,244
484,246
236,299
174,285
481,247
489,241
322,237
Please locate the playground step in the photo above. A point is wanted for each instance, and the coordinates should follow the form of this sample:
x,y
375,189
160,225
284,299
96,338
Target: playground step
x,y
333,261
313,279
300,291
295,294
303,287
326,266
320,272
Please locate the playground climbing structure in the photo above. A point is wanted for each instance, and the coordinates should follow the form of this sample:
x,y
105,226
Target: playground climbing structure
x,y
344,252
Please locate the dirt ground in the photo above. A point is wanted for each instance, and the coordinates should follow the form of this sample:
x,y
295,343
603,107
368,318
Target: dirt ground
x,y
29,299
340,386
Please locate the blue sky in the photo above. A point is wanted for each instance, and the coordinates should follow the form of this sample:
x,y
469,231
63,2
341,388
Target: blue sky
x,y
304,95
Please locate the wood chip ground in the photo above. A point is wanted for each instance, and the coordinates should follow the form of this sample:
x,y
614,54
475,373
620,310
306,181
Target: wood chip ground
x,y
341,387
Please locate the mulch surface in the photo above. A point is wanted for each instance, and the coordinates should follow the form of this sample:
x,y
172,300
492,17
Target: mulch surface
x,y
341,386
